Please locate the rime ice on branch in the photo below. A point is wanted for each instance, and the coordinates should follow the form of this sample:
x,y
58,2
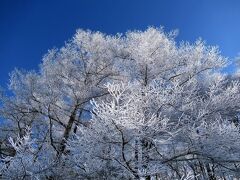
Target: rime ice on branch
x,y
132,106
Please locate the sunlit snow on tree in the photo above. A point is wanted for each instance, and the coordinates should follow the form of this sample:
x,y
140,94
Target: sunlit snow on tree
x,y
132,106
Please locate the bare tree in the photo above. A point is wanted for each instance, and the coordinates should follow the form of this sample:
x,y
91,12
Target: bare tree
x,y
133,106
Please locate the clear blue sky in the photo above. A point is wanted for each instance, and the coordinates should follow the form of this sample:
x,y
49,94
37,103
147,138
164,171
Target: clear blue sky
x,y
28,28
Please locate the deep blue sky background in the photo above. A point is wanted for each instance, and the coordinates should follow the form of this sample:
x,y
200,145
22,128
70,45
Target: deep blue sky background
x,y
28,28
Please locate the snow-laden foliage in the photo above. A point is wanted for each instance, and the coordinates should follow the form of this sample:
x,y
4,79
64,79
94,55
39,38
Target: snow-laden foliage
x,y
123,131
132,106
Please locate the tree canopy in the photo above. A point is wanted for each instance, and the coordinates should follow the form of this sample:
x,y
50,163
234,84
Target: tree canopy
x,y
132,106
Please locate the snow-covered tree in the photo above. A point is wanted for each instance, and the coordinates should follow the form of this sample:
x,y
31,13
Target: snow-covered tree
x,y
133,106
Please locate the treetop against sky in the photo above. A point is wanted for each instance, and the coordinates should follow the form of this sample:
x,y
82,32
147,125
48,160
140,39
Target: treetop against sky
x,y
30,28
156,110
